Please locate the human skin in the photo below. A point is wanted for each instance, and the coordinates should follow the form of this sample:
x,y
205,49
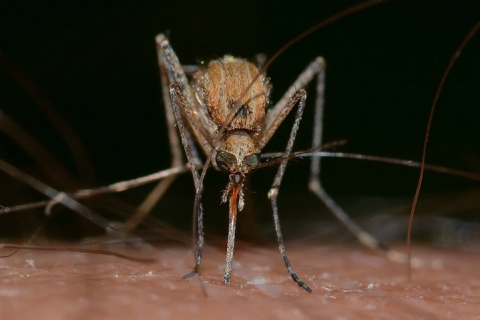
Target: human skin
x,y
348,282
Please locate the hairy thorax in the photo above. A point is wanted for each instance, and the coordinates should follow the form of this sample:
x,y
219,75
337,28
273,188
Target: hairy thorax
x,y
219,85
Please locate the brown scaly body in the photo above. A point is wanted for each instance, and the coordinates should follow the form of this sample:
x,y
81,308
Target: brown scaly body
x,y
231,125
220,84
217,88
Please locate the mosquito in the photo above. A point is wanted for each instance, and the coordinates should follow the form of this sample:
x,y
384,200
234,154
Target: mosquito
x,y
202,107
224,108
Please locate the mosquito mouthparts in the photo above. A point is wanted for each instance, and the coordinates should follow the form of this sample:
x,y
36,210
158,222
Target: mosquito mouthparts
x,y
236,178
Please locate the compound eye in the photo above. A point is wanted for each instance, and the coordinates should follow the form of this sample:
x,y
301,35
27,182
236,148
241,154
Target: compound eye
x,y
224,160
252,160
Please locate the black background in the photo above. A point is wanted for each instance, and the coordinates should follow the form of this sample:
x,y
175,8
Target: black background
x,y
96,63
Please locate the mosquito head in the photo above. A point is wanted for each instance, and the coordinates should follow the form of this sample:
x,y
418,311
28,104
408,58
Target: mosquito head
x,y
238,156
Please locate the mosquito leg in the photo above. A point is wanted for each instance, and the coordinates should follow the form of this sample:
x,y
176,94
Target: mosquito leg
x,y
179,101
316,187
299,98
112,188
177,76
200,243
64,199
279,112
175,149
184,106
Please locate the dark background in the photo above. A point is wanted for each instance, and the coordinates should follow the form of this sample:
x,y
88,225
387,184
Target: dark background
x,y
96,64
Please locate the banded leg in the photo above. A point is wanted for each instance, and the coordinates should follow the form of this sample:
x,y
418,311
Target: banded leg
x,y
273,120
279,112
316,187
184,107
181,109
176,153
299,98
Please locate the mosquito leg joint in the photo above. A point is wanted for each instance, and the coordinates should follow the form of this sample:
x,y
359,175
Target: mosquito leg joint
x,y
273,193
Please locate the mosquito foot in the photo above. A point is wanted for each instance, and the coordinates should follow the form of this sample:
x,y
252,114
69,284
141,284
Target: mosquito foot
x,y
300,282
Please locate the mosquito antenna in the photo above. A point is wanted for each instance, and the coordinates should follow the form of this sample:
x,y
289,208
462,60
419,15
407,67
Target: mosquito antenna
x,y
237,106
455,56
